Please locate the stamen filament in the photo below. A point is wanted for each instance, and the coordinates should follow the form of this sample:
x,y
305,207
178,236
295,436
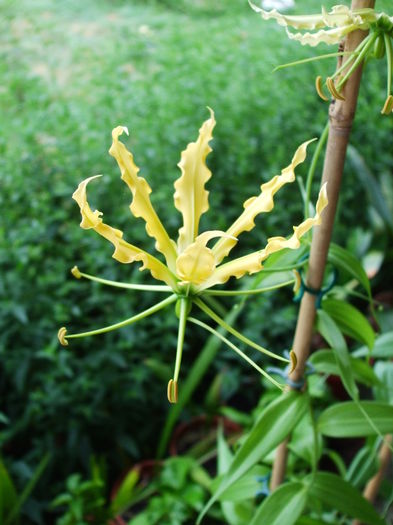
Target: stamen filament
x,y
353,56
370,41
169,300
147,287
247,292
311,59
236,349
234,332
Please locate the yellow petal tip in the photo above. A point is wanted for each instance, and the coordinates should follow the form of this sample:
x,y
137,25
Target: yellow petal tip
x,y
388,106
172,391
75,272
61,335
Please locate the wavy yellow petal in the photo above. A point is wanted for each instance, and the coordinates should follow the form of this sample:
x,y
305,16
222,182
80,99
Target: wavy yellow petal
x,y
326,36
124,252
141,205
191,197
252,263
263,203
339,16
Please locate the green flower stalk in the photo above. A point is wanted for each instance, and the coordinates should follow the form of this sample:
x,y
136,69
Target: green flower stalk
x,y
330,28
188,269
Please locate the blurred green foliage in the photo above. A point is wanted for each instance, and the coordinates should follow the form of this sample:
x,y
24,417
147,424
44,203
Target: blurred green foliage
x,y
70,72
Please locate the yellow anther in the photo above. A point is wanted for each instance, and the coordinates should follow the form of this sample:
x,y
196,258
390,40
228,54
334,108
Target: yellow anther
x,y
61,334
76,273
332,88
293,358
318,87
388,106
298,281
172,391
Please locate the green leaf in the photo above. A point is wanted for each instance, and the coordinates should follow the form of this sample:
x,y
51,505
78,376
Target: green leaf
x,y
347,420
235,513
8,495
339,495
384,392
383,347
125,492
350,321
346,261
329,330
275,423
324,361
371,185
283,506
305,520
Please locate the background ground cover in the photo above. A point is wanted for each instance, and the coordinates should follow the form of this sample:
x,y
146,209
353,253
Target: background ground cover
x,y
69,73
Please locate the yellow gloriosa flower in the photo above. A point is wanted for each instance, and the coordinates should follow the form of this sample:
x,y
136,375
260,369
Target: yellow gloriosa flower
x,y
330,28
191,267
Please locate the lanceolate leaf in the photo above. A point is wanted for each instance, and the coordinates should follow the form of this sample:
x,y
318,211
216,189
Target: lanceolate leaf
x,y
324,361
347,420
340,495
283,506
383,347
346,261
276,422
329,330
350,321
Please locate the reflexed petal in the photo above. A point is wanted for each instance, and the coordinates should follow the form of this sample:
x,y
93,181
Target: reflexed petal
x,y
256,205
252,263
141,205
191,197
124,252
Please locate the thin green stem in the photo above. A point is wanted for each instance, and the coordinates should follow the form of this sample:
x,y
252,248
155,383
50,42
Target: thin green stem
x,y
146,287
236,349
311,59
370,41
313,166
184,302
389,58
169,300
247,292
234,332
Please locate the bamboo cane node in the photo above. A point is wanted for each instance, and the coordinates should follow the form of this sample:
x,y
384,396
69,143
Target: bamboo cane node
x,y
318,293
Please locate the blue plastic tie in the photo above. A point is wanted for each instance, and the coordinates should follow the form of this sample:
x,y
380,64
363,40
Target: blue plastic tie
x,y
264,481
313,291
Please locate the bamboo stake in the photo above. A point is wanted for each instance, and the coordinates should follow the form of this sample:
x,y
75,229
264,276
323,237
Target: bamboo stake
x,y
341,115
371,489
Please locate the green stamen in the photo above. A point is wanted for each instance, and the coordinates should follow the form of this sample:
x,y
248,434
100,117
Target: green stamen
x,y
147,287
312,59
248,292
234,332
236,349
133,319
370,41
